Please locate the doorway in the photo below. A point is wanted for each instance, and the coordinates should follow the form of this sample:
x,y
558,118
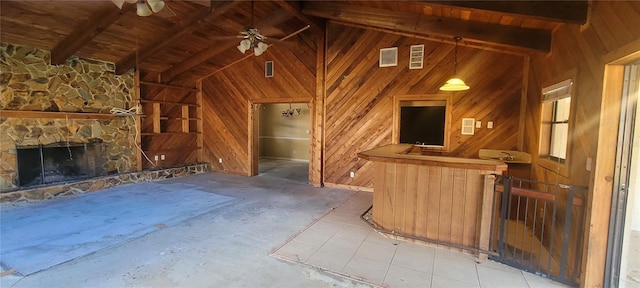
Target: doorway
x,y
623,251
283,140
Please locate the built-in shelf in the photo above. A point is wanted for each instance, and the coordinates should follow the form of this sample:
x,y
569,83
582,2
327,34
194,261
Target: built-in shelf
x,y
168,102
173,150
147,83
168,133
54,115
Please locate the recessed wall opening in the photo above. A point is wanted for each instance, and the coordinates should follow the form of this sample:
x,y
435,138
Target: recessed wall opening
x,y
283,140
59,162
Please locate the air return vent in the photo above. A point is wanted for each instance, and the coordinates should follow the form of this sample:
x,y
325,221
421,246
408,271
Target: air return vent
x,y
416,57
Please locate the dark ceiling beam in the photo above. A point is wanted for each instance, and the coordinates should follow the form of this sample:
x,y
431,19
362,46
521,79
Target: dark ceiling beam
x,y
184,27
575,11
295,9
523,38
86,31
272,19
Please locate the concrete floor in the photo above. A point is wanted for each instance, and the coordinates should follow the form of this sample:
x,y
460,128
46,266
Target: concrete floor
x,y
226,245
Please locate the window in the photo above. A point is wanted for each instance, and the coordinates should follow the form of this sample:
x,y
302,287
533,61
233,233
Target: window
x,y
555,128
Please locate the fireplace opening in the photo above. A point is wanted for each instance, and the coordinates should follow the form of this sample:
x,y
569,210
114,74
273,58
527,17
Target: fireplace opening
x,y
60,162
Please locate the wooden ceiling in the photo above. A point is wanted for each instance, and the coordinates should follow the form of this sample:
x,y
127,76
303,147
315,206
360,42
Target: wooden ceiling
x,y
190,39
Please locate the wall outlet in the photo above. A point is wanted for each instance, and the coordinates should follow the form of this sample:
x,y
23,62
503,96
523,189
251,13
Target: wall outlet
x,y
161,156
352,174
219,160
490,124
589,163
155,157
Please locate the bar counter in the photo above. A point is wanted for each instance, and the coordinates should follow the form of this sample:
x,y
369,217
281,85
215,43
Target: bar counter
x,y
444,200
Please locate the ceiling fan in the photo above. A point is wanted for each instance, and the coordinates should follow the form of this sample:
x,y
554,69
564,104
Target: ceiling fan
x,y
252,38
145,7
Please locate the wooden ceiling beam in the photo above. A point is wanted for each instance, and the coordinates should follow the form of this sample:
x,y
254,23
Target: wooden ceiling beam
x,y
295,9
202,17
523,38
574,11
272,19
86,31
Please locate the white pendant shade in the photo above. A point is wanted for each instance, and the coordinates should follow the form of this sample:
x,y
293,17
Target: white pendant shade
x,y
156,5
244,45
454,84
260,48
142,9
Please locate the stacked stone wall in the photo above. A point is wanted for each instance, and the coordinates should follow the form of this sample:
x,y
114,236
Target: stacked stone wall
x,y
29,83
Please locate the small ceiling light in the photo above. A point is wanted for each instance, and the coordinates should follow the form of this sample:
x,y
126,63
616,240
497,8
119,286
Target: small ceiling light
x,y
455,83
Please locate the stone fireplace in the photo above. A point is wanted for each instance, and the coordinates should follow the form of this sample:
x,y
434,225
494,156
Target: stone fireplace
x,y
59,162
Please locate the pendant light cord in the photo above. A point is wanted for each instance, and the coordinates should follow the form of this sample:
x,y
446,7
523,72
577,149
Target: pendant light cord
x,y
455,56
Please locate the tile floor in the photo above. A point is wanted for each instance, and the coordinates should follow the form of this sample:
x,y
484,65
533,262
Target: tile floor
x,y
341,243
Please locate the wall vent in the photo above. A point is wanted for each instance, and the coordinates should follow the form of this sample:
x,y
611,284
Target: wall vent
x,y
388,57
268,69
416,57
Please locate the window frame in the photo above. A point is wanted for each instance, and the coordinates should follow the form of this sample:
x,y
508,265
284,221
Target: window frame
x,y
397,104
548,113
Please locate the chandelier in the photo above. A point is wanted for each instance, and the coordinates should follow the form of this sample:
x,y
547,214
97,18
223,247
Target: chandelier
x,y
143,7
252,39
455,84
286,113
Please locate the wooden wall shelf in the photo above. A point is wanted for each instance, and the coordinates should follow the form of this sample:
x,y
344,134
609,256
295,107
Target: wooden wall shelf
x,y
168,133
54,115
168,103
168,86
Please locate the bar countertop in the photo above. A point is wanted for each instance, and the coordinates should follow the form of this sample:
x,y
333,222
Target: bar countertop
x,y
404,153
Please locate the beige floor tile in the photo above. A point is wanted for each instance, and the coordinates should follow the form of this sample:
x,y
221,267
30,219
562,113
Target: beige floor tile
x,y
329,260
414,256
535,281
401,277
498,278
375,237
343,245
367,269
355,233
318,233
380,252
456,266
443,282
297,250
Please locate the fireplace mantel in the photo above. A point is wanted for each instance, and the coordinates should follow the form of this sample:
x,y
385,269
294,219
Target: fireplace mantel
x,y
54,115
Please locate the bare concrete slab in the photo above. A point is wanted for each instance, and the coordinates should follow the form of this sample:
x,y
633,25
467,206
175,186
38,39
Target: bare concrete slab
x,y
228,246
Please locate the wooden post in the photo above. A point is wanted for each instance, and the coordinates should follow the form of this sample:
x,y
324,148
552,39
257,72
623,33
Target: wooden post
x,y
485,219
156,117
185,119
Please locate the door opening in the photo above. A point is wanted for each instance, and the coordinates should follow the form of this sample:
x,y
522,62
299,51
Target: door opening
x,y
281,143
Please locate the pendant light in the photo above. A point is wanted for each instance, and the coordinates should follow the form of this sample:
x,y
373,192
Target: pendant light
x,y
455,84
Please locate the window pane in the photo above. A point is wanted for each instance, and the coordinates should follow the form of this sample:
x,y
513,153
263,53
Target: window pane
x,y
559,135
562,109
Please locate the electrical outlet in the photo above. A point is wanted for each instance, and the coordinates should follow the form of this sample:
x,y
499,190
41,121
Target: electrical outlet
x,y
155,157
589,163
161,156
219,160
352,174
490,124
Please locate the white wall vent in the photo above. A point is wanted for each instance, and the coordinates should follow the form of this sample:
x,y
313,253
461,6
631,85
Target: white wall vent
x,y
468,126
416,57
268,69
388,57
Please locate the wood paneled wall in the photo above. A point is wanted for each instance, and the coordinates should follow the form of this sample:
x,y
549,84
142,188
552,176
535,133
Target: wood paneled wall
x,y
612,25
359,97
228,94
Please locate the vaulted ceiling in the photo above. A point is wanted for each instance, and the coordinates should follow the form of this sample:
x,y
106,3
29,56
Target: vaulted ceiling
x,y
190,39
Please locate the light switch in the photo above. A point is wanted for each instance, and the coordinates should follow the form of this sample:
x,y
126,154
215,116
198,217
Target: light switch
x,y
490,124
478,124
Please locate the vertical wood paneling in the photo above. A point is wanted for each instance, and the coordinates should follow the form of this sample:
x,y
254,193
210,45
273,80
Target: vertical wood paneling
x,y
433,214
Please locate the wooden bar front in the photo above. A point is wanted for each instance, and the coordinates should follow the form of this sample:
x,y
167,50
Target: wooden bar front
x,y
434,198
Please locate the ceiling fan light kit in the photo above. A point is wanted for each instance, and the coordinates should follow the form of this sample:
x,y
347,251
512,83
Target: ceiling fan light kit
x,y
252,39
143,7
455,83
